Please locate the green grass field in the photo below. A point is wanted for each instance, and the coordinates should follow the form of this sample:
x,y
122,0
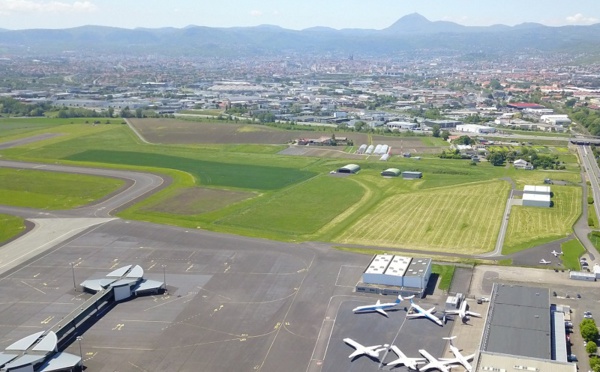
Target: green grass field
x,y
454,208
530,226
299,210
11,227
446,273
22,188
462,219
572,251
207,172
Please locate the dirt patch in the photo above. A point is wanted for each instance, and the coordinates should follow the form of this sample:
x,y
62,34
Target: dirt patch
x,y
171,131
199,200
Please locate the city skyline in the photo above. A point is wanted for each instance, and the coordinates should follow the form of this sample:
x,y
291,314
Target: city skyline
x,y
338,14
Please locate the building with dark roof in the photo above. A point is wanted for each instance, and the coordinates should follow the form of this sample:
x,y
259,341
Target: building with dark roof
x,y
523,331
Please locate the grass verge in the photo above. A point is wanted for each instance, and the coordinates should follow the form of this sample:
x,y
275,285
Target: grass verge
x,y
11,227
446,273
572,250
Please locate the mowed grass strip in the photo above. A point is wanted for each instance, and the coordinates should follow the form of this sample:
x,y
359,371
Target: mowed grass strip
x,y
299,210
206,172
51,190
529,226
462,219
11,227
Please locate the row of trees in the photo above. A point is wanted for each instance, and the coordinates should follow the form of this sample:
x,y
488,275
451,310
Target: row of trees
x,y
587,117
589,332
10,106
537,160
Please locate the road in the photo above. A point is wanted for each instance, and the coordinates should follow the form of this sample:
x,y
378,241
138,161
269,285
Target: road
x,y
591,170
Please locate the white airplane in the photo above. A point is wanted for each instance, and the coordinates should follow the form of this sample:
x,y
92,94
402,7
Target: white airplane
x,y
556,254
379,307
544,262
434,363
458,357
419,312
372,351
463,312
411,363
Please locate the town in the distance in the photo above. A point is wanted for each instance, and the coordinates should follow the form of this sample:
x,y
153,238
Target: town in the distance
x,y
424,197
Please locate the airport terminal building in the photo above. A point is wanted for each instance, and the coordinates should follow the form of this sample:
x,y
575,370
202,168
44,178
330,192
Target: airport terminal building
x,y
393,275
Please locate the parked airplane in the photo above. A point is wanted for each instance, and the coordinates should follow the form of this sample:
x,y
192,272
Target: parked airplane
x,y
556,254
434,363
463,312
458,357
542,261
379,307
411,363
372,351
419,312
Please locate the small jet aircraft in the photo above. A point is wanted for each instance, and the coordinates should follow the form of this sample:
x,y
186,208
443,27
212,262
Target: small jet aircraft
x,y
458,357
462,312
556,254
419,312
411,363
372,351
544,262
379,307
434,363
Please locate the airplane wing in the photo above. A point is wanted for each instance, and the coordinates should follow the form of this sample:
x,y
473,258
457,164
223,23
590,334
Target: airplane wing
x,y
381,311
471,313
433,363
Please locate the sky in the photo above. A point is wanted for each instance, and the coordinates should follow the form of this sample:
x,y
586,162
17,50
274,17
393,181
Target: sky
x,y
290,14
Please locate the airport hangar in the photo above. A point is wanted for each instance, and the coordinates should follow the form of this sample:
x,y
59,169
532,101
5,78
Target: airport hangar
x,y
537,196
393,275
523,331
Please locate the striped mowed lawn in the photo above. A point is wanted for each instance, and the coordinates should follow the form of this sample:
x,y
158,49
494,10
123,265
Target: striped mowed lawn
x,y
462,219
530,224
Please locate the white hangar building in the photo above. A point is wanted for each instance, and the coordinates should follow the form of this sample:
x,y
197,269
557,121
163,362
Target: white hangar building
x,y
537,196
390,274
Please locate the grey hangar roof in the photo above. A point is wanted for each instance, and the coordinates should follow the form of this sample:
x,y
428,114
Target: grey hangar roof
x,y
519,322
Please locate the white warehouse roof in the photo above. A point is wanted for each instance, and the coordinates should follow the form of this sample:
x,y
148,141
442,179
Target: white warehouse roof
x,y
536,197
398,266
536,189
379,264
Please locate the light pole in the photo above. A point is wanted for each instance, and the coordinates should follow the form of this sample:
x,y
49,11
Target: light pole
x,y
164,267
73,271
79,338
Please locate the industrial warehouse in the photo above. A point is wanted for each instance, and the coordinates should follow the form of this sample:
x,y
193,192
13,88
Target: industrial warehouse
x,y
390,274
524,329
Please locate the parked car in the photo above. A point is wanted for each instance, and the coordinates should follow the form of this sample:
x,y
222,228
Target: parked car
x,y
572,358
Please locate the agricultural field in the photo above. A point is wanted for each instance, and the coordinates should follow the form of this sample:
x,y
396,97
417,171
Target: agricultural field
x,y
198,200
169,131
22,188
414,145
531,226
463,219
212,173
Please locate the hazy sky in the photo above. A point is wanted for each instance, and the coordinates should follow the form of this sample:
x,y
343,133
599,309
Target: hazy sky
x,y
292,14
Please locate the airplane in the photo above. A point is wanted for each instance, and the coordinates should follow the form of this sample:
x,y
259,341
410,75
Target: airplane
x,y
379,307
556,254
542,261
458,357
372,351
421,313
411,363
434,363
463,312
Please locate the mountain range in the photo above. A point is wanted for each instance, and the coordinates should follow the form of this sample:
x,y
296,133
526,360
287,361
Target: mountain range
x,y
410,33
